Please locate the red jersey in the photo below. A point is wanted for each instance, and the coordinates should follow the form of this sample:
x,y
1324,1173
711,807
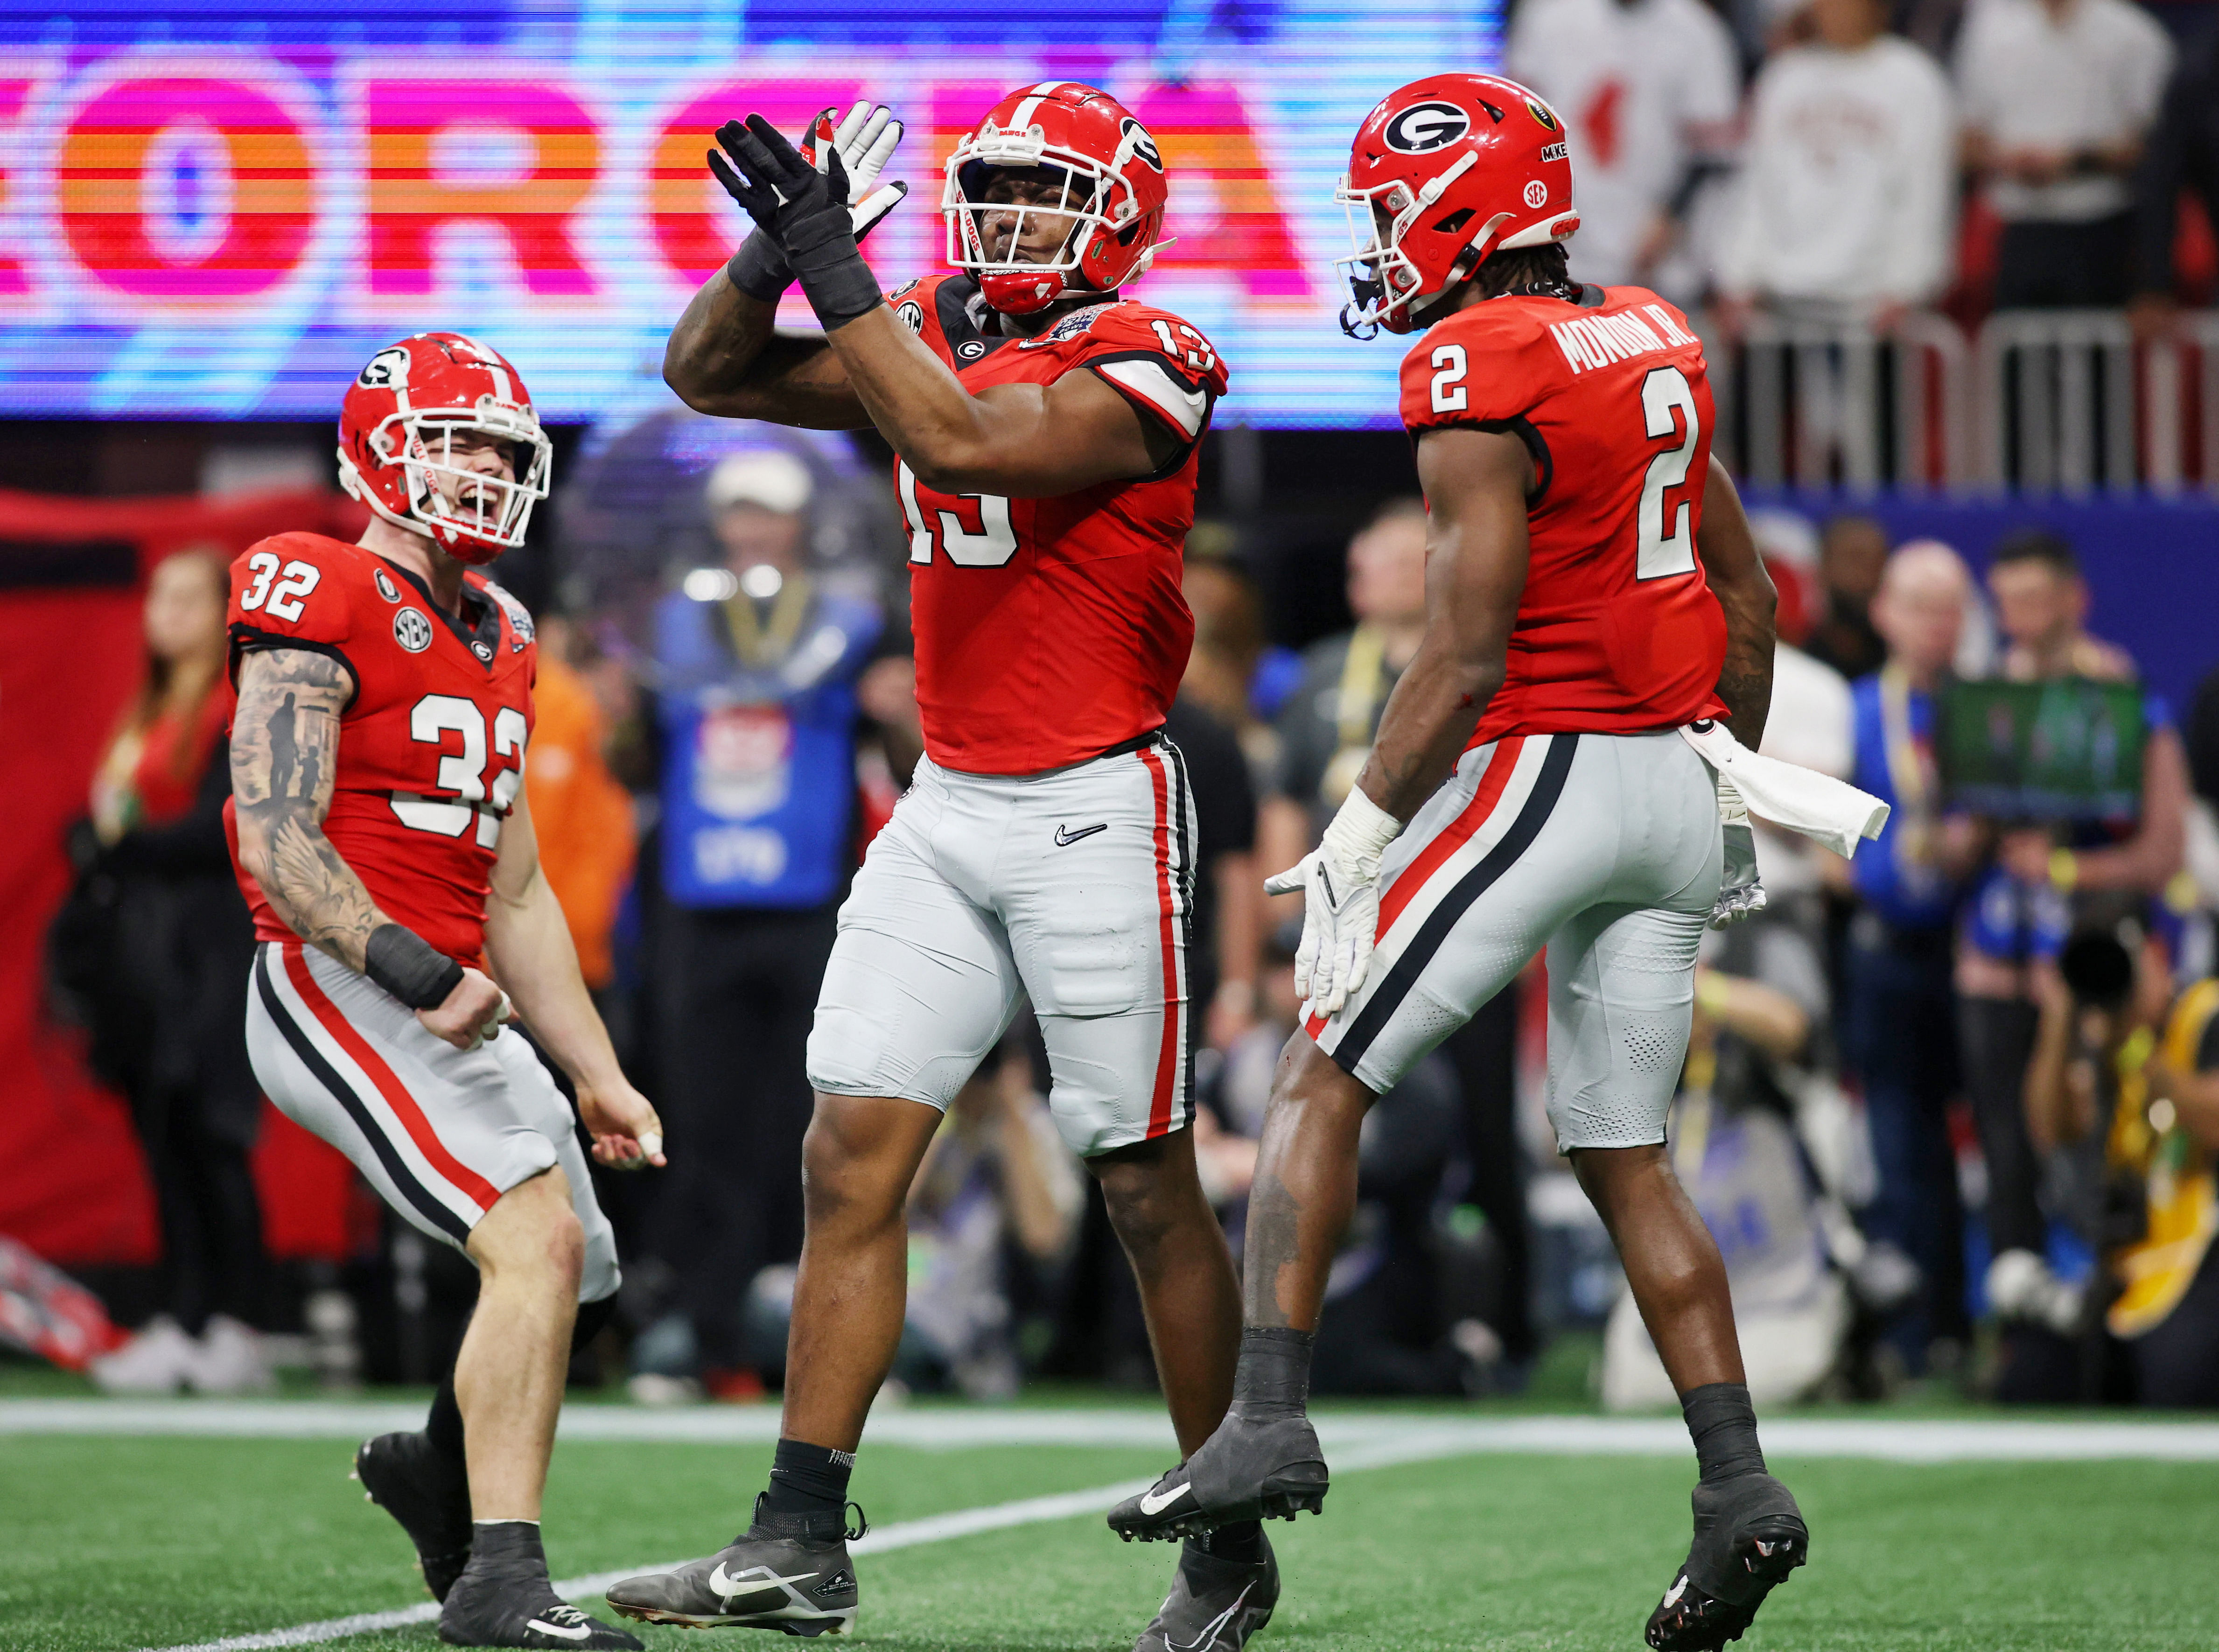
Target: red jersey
x,y
1616,629
1049,631
430,746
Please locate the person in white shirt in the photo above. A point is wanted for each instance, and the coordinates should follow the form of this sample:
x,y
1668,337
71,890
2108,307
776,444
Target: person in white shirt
x,y
1649,90
1845,207
2058,95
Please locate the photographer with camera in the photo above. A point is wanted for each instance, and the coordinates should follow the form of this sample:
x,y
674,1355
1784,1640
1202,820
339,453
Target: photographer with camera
x,y
2123,1099
2052,871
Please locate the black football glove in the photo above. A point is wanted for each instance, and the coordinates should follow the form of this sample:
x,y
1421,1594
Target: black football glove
x,y
804,211
864,140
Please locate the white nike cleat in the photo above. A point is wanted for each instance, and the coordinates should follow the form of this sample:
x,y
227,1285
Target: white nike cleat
x,y
786,1571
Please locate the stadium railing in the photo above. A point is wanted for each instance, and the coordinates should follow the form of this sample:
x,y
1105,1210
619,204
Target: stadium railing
x,y
2035,403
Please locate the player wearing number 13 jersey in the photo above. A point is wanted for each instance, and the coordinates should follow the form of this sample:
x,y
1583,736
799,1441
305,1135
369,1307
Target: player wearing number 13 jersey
x,y
383,839
1592,591
1045,428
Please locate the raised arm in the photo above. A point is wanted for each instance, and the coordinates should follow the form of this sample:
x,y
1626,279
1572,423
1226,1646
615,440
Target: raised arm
x,y
284,755
1021,441
528,948
1475,483
726,357
1737,576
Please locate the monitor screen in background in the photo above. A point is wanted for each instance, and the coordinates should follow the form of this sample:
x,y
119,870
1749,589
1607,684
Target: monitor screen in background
x,y
224,211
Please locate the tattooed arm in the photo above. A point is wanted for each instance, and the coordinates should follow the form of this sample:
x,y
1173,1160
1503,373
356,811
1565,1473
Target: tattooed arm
x,y
1737,577
284,755
1476,553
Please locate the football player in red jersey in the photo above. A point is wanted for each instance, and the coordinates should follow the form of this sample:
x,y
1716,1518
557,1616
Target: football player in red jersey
x,y
1046,428
1592,589
382,838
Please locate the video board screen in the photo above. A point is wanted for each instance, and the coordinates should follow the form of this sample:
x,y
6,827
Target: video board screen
x,y
221,207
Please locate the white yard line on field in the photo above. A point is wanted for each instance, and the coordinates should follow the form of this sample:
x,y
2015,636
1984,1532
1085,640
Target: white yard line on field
x,y
1968,1439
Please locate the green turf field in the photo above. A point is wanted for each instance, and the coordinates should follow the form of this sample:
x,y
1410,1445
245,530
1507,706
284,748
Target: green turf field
x,y
115,1542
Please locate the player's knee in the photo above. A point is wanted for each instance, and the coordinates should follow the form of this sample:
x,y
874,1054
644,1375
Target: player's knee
x,y
848,1176
531,1231
1150,1196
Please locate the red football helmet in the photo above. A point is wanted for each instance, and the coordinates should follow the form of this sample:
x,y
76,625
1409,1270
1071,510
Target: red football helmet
x,y
1446,170
396,444
1114,191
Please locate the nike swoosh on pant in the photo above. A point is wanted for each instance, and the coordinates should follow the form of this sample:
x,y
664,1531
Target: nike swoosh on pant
x,y
1064,837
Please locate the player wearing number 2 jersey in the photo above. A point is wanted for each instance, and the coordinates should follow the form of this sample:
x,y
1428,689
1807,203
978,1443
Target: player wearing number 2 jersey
x,y
1591,591
382,838
1046,428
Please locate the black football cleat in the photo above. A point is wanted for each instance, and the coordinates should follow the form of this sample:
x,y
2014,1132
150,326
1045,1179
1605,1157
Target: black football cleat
x,y
506,1604
786,1573
428,1494
1214,1605
1246,1471
1748,1536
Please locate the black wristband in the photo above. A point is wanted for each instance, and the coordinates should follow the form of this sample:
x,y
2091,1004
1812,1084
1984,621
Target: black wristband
x,y
409,966
760,270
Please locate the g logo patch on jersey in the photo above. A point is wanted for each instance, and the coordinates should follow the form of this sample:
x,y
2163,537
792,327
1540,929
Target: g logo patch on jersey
x,y
411,631
386,587
484,651
388,370
1423,127
971,349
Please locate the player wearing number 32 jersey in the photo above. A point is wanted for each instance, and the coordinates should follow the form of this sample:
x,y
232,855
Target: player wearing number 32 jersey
x,y
1542,777
383,841
1046,428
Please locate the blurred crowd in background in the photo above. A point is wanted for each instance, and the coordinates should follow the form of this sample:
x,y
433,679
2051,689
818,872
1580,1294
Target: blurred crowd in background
x,y
1951,1110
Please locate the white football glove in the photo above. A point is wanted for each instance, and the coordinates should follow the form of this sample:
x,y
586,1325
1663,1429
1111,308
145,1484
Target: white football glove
x,y
865,141
1340,882
1740,894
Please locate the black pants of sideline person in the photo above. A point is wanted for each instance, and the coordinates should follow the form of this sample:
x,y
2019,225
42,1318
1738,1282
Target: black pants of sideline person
x,y
1902,1042
2054,266
735,992
1995,1037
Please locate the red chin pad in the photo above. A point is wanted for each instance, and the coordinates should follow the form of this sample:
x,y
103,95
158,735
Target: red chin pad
x,y
463,547
1020,292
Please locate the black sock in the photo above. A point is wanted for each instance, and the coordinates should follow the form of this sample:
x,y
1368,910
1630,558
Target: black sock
x,y
507,1543
443,1427
1273,1378
1241,1541
1723,1424
808,1479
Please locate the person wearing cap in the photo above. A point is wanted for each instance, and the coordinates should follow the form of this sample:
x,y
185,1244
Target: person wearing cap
x,y
757,666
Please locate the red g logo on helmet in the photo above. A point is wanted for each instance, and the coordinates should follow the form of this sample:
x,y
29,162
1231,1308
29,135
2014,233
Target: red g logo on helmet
x,y
1441,175
1423,127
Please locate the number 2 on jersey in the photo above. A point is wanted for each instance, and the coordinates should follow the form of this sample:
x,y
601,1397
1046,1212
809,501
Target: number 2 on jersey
x,y
1658,553
993,546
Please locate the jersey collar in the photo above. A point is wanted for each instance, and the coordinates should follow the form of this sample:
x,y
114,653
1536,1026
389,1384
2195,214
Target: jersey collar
x,y
482,636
